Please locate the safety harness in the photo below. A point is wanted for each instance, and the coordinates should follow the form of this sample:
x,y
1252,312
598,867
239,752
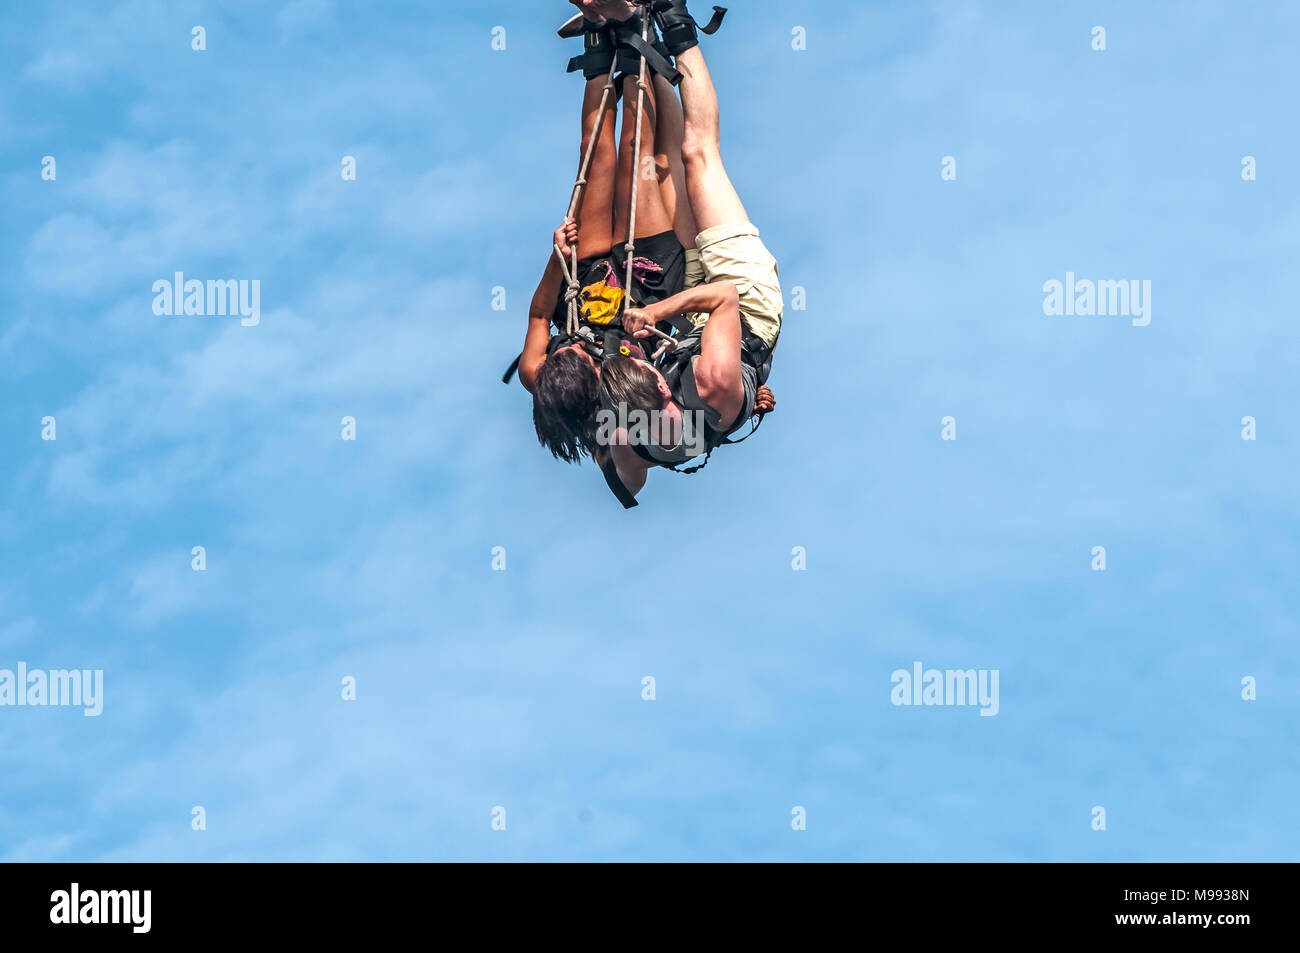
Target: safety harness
x,y
605,341
753,352
596,336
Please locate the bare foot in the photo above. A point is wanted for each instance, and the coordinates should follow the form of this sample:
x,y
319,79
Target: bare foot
x,y
586,11
607,9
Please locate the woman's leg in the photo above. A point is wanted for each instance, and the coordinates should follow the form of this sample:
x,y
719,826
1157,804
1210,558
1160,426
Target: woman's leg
x,y
652,217
596,207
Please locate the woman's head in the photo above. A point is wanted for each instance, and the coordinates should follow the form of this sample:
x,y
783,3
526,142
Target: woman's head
x,y
566,396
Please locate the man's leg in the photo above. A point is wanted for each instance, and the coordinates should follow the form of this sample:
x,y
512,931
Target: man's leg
x,y
729,245
713,197
668,159
596,208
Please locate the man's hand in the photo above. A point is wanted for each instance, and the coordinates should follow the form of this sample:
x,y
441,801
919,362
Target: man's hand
x,y
635,322
764,401
566,237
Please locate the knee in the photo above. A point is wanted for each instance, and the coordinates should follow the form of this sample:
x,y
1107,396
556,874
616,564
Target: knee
x,y
698,150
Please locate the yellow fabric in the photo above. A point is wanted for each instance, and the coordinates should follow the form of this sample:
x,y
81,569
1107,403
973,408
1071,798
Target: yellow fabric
x,y
601,303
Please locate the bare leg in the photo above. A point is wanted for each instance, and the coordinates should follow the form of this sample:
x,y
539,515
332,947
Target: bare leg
x,y
652,217
668,159
596,209
713,197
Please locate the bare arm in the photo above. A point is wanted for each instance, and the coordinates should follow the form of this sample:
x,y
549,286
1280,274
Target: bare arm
x,y
717,371
539,323
543,306
702,299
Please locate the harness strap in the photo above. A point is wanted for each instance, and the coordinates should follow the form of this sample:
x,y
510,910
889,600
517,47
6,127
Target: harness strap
x,y
656,60
621,492
715,21
724,442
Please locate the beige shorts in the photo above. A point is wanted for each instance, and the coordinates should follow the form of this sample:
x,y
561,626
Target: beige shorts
x,y
735,253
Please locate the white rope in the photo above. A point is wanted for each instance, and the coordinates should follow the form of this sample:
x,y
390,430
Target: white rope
x,y
630,247
574,289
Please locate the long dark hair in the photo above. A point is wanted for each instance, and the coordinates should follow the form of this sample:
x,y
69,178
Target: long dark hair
x,y
566,397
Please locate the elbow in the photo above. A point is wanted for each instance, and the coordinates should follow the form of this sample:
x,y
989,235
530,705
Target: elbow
x,y
728,295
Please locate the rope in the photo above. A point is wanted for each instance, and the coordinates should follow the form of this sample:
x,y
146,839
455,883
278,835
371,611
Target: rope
x,y
630,247
669,342
574,289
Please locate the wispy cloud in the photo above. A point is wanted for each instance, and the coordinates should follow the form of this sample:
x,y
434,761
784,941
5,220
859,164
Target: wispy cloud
x,y
372,558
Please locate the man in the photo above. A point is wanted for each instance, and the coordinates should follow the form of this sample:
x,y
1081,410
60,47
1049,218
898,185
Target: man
x,y
565,383
733,294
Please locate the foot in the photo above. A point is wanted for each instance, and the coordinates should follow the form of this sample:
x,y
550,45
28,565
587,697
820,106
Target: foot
x,y
587,14
601,10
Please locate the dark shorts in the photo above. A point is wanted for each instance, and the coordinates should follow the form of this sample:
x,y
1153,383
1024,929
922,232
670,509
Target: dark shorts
x,y
658,272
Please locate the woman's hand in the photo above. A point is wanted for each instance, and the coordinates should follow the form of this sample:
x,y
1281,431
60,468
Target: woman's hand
x,y
764,400
566,237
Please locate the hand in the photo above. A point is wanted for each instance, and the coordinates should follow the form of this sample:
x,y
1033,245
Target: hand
x,y
635,321
764,401
566,237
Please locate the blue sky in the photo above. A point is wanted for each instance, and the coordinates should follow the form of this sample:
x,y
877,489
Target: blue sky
x,y
522,689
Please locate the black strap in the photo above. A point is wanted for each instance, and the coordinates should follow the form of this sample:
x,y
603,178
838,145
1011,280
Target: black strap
x,y
644,454
689,471
727,441
655,60
714,22
510,371
681,324
615,484
724,442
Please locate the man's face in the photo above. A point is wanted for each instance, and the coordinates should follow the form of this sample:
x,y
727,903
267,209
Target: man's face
x,y
670,408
